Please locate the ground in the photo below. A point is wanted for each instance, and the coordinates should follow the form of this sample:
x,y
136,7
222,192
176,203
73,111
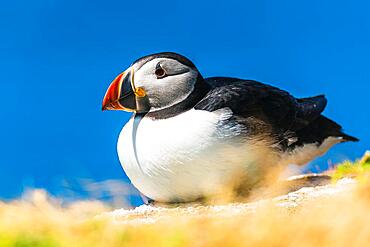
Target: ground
x,y
148,214
332,209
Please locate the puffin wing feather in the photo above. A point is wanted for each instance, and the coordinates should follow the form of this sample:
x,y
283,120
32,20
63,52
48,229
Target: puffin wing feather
x,y
289,116
248,98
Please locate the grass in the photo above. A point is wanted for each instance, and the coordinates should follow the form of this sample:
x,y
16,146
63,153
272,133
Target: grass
x,y
344,220
353,169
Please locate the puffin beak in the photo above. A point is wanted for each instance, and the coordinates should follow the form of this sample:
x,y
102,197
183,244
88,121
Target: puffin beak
x,y
122,95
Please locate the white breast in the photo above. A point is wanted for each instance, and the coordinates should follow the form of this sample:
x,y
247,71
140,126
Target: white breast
x,y
183,157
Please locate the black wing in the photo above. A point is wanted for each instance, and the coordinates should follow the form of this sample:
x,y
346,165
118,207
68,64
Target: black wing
x,y
283,112
251,98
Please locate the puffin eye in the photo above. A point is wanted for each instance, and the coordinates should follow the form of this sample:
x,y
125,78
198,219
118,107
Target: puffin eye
x,y
159,72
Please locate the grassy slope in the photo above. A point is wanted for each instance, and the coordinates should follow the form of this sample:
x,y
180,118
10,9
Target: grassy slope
x,y
339,221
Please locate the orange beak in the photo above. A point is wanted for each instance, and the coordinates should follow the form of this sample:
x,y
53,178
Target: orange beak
x,y
110,101
122,95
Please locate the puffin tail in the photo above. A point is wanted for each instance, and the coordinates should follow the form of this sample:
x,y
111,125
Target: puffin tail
x,y
331,128
322,128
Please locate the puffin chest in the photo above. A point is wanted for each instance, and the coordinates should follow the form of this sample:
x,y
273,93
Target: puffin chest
x,y
159,141
173,157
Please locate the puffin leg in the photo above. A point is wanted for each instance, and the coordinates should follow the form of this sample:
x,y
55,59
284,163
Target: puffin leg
x,y
147,200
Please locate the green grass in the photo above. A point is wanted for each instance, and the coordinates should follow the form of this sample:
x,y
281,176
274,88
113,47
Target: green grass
x,y
358,168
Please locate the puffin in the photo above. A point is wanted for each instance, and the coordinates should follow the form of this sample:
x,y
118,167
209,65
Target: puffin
x,y
189,136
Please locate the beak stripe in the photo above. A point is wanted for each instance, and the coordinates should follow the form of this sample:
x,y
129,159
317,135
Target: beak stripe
x,y
120,79
137,90
132,80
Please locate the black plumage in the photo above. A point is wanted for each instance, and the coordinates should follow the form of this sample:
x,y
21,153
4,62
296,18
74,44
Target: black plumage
x,y
288,118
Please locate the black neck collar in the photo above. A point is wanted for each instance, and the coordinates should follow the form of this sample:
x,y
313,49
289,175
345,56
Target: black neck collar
x,y
201,88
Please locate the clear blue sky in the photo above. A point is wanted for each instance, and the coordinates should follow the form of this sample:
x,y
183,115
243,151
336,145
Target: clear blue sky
x,y
58,57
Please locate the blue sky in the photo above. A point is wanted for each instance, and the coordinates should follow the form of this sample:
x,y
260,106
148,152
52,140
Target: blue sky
x,y
58,57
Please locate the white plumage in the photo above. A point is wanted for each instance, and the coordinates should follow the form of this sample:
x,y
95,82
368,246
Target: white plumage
x,y
183,157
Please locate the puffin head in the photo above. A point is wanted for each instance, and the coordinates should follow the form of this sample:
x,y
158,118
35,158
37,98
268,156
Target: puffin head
x,y
152,83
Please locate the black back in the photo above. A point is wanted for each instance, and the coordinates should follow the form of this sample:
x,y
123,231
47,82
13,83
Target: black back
x,y
288,118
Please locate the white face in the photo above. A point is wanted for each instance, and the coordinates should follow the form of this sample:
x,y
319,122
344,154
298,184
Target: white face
x,y
165,81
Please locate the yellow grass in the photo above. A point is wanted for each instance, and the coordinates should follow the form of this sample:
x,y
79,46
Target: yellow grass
x,y
41,221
